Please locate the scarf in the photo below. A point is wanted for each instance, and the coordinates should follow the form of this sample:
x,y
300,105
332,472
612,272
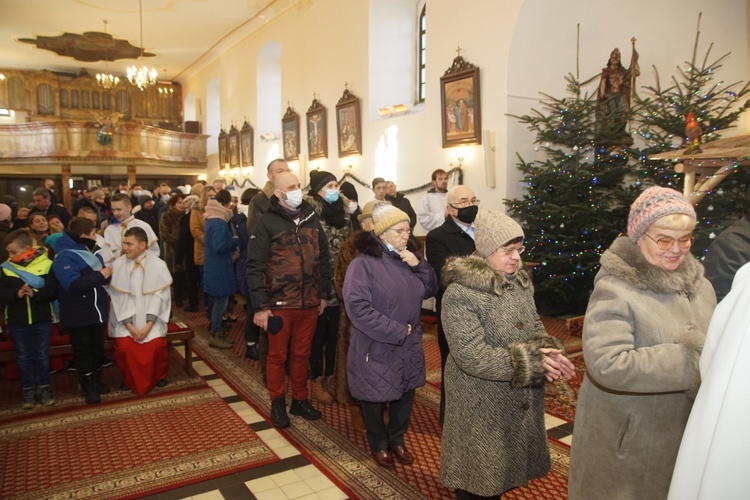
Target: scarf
x,y
333,213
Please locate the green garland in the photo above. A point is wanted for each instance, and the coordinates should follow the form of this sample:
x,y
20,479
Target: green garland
x,y
349,175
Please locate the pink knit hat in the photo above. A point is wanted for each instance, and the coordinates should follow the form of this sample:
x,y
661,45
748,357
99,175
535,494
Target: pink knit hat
x,y
653,204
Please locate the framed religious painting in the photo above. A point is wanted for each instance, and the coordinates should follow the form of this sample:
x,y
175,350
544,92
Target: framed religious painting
x,y
223,149
348,125
290,134
317,131
233,139
461,113
246,145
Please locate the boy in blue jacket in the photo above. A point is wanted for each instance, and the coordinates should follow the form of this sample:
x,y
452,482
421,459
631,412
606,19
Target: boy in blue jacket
x,y
27,290
84,302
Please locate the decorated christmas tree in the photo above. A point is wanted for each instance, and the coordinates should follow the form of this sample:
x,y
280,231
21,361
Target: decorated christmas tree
x,y
662,113
577,199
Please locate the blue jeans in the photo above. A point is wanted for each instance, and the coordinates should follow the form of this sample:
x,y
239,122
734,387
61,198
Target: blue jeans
x,y
31,343
218,306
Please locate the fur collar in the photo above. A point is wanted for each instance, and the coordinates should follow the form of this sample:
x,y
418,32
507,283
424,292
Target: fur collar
x,y
474,272
625,261
367,243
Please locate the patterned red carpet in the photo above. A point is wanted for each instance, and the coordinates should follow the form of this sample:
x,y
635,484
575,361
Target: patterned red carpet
x,y
120,449
333,444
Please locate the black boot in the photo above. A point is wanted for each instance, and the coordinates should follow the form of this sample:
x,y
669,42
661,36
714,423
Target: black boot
x,y
88,384
101,387
278,413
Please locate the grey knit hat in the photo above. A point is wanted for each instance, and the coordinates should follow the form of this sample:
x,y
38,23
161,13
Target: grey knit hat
x,y
653,204
493,230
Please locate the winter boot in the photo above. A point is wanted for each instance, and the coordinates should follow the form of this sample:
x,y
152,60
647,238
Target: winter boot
x,y
278,413
356,419
101,387
45,395
320,394
88,384
303,408
219,341
29,398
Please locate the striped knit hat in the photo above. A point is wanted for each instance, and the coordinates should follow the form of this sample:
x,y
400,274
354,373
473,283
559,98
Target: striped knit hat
x,y
385,216
653,204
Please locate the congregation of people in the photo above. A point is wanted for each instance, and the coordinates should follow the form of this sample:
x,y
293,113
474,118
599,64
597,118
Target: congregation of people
x,y
334,292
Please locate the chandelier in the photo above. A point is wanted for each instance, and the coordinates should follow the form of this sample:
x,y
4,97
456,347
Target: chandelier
x,y
142,77
106,80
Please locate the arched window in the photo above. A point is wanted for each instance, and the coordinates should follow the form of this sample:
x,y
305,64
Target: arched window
x,y
74,98
268,71
45,99
63,98
95,100
85,103
106,101
422,76
213,115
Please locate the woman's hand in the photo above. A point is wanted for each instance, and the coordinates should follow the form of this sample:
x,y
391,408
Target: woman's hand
x,y
408,257
556,365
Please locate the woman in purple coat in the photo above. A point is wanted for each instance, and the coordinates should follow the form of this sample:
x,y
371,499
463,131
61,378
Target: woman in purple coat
x,y
384,287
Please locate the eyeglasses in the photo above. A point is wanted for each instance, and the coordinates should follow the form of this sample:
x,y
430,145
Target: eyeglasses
x,y
665,242
464,204
510,250
401,232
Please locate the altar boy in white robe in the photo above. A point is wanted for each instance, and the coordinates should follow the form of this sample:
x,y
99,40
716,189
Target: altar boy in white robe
x,y
141,304
122,221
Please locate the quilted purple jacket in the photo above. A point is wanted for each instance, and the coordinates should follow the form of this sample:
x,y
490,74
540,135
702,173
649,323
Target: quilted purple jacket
x,y
382,295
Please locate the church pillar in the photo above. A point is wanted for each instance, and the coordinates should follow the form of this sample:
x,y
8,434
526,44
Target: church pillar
x,y
65,192
131,175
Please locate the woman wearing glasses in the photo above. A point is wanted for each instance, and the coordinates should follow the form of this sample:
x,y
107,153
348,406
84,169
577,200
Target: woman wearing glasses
x,y
494,437
644,331
384,288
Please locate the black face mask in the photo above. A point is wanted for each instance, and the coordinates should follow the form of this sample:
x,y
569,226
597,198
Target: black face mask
x,y
467,214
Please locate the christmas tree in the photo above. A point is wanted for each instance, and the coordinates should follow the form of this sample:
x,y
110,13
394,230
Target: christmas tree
x,y
577,199
662,113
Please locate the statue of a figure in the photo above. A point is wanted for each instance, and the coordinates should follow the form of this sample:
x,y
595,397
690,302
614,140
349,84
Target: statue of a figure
x,y
614,98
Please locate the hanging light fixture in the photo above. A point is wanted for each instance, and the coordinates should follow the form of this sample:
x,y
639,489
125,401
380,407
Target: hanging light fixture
x,y
142,77
106,79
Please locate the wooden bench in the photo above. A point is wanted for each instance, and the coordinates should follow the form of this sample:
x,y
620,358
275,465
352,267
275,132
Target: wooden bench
x,y
177,331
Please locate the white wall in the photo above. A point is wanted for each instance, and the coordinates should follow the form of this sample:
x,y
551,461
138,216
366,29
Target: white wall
x,y
522,48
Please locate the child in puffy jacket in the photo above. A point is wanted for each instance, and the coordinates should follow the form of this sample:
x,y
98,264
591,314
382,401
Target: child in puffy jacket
x,y
28,289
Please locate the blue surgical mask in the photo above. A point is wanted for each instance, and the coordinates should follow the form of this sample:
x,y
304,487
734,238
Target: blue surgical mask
x,y
332,195
391,248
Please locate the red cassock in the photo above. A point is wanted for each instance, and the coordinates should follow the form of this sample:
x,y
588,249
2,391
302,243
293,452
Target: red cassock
x,y
142,365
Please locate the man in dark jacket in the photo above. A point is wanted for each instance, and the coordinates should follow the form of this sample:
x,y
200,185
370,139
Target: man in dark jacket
x,y
726,255
43,204
454,238
289,280
398,200
260,204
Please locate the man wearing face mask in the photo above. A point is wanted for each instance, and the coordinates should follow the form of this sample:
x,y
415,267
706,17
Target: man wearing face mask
x,y
454,238
289,279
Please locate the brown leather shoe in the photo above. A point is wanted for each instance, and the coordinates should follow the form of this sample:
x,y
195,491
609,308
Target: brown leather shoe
x,y
384,458
402,454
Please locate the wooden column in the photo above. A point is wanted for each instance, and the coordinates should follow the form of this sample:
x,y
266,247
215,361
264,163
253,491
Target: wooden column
x,y
131,175
66,188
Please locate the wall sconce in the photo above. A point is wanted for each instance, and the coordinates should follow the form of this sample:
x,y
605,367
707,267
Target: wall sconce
x,y
458,160
396,109
348,167
268,137
246,171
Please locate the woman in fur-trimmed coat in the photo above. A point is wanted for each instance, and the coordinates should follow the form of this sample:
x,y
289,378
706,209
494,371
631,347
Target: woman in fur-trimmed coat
x,y
645,327
494,437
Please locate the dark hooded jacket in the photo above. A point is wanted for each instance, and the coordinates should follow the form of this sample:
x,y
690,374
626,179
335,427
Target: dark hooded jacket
x,y
288,263
83,299
382,295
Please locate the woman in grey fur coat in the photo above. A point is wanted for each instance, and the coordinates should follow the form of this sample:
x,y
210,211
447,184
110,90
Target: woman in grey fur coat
x,y
494,437
642,337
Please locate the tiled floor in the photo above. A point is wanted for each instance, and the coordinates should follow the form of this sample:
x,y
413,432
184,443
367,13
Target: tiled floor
x,y
293,477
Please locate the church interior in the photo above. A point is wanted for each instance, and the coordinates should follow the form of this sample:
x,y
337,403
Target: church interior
x,y
359,88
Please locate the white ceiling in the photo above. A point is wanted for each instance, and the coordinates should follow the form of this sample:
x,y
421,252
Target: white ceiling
x,y
184,34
